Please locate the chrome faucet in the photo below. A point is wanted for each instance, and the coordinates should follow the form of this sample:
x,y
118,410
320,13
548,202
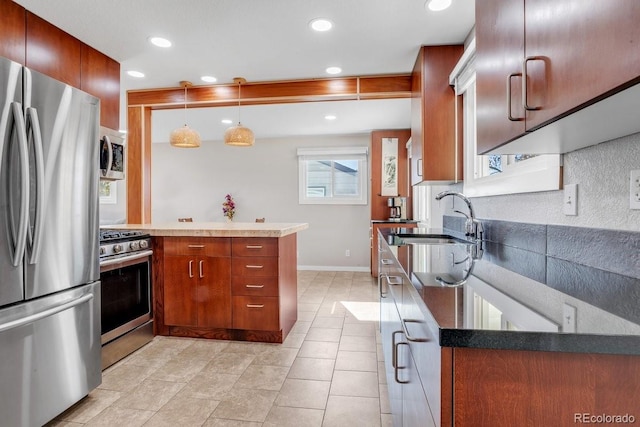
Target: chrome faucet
x,y
472,227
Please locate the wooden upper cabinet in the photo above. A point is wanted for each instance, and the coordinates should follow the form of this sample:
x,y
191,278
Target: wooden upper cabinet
x,y
100,76
573,56
586,53
12,31
53,52
436,153
499,53
379,208
41,46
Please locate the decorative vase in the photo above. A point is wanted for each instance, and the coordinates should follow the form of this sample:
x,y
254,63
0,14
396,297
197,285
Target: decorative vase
x,y
229,219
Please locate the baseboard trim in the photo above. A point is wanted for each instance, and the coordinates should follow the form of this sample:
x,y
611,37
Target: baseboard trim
x,y
334,268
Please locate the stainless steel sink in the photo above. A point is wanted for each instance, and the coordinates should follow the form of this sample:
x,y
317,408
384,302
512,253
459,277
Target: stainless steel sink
x,y
431,239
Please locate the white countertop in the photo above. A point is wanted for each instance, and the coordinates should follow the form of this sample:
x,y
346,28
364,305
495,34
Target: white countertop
x,y
216,229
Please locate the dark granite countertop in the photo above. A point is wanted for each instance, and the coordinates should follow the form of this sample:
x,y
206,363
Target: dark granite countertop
x,y
511,298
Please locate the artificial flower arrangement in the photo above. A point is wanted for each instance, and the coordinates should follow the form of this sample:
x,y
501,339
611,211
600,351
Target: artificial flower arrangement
x,y
228,207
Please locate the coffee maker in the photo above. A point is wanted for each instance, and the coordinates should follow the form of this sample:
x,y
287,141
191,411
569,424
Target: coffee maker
x,y
397,208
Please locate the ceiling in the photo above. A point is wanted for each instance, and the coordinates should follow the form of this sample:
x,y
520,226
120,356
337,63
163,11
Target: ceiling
x,y
262,41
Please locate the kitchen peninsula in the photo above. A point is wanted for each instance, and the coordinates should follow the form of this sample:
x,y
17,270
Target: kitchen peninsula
x,y
232,280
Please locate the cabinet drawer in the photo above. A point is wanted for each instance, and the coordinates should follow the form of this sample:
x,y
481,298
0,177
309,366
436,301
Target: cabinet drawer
x,y
204,246
255,313
254,286
254,266
254,246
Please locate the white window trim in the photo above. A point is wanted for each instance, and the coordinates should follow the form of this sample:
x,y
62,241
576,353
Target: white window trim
x,y
333,153
541,173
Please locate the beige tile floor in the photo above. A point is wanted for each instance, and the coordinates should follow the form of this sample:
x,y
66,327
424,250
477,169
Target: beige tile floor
x,y
329,371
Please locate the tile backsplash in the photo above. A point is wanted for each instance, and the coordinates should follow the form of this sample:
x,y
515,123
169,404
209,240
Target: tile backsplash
x,y
600,267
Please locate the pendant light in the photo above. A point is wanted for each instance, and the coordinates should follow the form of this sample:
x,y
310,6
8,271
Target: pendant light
x,y
239,136
185,137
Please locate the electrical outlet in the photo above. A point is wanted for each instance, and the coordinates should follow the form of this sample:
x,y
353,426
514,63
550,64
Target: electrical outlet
x,y
347,253
570,201
634,192
569,314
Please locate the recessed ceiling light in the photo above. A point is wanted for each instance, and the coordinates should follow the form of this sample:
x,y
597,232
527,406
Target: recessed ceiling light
x,y
160,41
321,24
334,70
437,5
227,121
134,73
208,79
330,117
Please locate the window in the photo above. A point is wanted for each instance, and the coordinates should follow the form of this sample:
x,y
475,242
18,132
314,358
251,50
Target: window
x,y
498,174
333,175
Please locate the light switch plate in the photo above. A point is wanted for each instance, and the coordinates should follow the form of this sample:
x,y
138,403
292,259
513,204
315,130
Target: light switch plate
x,y
634,191
570,200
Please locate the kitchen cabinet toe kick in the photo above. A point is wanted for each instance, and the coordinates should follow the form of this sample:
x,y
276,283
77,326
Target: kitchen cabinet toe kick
x,y
276,337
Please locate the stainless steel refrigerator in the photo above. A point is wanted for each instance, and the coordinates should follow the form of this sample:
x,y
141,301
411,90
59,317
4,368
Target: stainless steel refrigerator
x,y
49,273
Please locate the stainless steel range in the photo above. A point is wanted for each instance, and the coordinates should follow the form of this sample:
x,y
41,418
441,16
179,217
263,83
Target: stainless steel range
x,y
125,274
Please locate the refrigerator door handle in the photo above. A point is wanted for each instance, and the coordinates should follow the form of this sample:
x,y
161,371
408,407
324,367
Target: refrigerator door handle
x,y
44,313
20,236
110,151
33,125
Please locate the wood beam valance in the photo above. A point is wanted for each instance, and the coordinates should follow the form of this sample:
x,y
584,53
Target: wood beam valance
x,y
140,104
330,89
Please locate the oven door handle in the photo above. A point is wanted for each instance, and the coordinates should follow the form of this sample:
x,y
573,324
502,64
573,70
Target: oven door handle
x,y
137,255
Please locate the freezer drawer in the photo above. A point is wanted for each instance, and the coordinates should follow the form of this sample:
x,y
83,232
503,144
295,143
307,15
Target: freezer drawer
x,y
50,352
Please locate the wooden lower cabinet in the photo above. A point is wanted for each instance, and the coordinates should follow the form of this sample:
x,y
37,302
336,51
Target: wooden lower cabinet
x,y
259,313
197,291
196,282
537,388
225,288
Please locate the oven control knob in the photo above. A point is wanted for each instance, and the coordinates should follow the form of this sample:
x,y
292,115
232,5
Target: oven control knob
x,y
103,250
117,249
144,244
134,246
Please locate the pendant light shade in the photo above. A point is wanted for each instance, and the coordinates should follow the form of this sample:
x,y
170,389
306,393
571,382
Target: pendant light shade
x,y
239,135
185,137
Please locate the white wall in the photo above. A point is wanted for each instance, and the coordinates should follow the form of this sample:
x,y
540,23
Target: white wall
x,y
263,180
602,175
115,213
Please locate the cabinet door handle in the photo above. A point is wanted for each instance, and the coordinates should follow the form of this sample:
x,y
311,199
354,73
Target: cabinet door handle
x,y
201,268
393,344
394,280
419,166
405,330
509,114
254,246
254,286
396,369
190,268
382,293
525,101
254,266
255,305
195,246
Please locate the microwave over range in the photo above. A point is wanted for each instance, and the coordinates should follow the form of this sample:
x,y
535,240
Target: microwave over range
x,y
112,154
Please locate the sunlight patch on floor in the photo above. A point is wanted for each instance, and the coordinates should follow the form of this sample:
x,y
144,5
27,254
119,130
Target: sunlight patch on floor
x,y
365,311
